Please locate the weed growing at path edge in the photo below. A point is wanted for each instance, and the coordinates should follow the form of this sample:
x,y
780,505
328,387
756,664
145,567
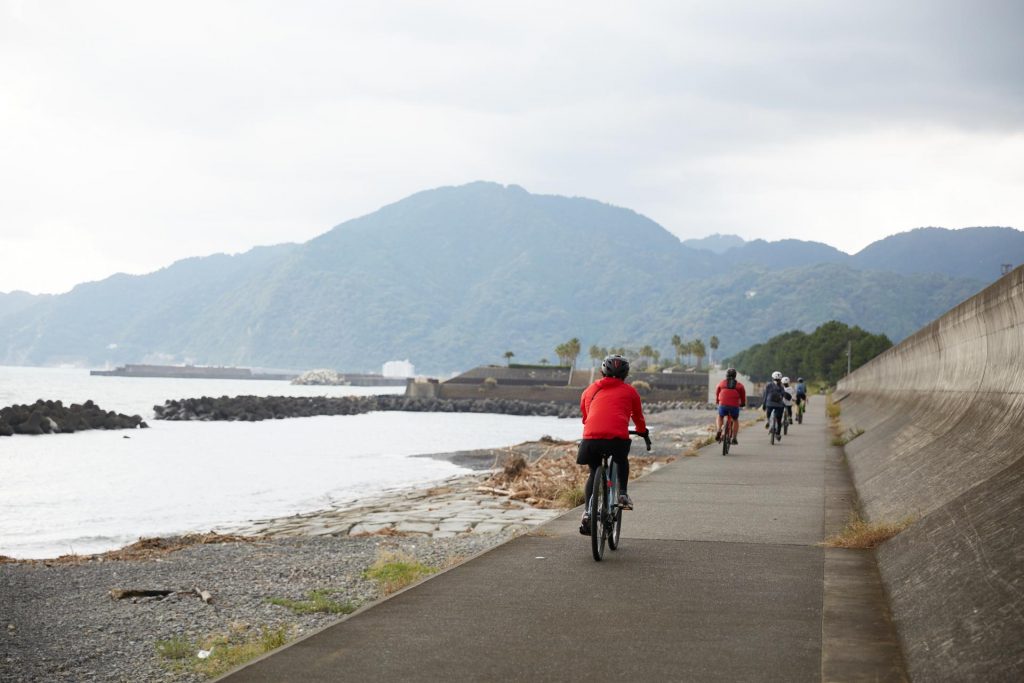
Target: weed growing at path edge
x,y
859,534
317,601
394,570
224,651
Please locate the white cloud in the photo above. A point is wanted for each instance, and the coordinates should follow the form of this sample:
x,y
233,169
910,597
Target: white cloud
x,y
138,134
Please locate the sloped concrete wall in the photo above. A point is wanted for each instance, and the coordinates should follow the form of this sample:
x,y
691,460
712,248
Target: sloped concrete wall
x,y
943,414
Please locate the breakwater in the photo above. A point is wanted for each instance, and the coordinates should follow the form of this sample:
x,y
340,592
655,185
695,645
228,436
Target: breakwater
x,y
53,417
256,408
942,414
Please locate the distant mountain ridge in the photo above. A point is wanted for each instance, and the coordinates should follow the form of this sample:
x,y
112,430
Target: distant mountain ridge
x,y
454,277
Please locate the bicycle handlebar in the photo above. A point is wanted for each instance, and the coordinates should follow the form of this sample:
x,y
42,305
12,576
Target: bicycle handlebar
x,y
647,437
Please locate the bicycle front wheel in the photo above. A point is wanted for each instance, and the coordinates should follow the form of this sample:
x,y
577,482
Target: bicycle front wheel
x,y
615,512
597,514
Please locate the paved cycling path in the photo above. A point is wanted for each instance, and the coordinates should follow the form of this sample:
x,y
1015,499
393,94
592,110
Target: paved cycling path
x,y
719,577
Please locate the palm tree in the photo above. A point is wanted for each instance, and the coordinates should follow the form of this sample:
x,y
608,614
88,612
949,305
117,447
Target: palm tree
x,y
677,344
646,354
572,351
699,350
713,343
562,353
596,354
508,357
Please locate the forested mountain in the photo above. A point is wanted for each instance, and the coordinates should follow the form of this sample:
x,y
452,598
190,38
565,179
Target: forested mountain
x,y
454,277
786,253
17,301
977,253
715,243
972,253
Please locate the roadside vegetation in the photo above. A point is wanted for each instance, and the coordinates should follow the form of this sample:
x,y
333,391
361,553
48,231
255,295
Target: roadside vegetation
x,y
860,534
317,601
219,653
840,434
394,570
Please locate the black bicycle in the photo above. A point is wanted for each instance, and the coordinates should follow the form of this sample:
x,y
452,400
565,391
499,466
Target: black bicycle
x,y
605,511
773,427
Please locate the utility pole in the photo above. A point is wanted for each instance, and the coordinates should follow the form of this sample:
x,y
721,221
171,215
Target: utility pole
x,y
849,353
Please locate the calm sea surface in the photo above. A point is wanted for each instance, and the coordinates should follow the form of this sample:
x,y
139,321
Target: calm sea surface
x,y
94,491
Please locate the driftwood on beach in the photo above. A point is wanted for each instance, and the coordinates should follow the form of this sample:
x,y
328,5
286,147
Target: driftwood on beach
x,y
256,408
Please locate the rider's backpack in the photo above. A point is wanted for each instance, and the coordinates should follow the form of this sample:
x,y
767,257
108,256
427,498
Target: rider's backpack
x,y
775,394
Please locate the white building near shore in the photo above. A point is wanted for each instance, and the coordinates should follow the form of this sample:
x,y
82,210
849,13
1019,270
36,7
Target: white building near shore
x,y
398,368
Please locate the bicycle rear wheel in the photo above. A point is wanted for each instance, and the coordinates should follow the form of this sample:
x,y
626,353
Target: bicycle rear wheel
x,y
597,514
785,425
726,435
774,428
615,523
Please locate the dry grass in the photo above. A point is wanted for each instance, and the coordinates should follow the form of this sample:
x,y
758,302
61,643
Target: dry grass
x,y
842,437
699,443
553,480
226,651
858,534
832,409
395,569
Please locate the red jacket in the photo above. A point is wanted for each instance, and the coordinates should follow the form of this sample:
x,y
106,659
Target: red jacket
x,y
733,398
607,406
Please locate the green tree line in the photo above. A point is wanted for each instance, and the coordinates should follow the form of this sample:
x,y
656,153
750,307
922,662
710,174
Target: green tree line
x,y
818,356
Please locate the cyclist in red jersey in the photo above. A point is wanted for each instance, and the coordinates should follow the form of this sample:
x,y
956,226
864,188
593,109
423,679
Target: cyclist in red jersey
x,y
730,396
607,406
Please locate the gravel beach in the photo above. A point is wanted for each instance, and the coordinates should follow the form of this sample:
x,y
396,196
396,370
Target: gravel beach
x,y
59,621
61,624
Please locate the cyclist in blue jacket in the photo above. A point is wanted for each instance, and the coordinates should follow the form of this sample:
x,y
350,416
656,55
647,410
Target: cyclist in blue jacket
x,y
774,399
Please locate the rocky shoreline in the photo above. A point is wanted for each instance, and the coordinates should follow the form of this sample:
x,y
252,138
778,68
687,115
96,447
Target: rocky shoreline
x,y
52,417
60,622
257,408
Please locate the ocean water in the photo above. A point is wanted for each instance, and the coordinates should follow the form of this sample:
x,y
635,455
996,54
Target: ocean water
x,y
97,490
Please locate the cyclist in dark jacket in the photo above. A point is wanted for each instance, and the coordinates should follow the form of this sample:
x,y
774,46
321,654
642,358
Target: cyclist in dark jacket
x,y
774,398
607,406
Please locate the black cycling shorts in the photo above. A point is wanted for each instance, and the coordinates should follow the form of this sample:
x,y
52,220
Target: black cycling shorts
x,y
591,450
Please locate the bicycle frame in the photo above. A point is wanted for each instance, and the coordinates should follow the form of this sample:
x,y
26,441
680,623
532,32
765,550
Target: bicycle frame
x,y
728,432
603,507
605,513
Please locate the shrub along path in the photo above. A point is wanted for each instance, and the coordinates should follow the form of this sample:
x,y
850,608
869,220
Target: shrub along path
x,y
720,576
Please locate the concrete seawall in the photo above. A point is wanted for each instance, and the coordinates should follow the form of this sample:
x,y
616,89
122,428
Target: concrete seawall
x,y
943,414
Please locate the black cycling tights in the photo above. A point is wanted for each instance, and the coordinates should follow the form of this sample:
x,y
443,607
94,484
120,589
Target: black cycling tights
x,y
623,462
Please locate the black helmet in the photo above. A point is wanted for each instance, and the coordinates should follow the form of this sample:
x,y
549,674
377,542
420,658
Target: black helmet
x,y
731,372
799,379
615,366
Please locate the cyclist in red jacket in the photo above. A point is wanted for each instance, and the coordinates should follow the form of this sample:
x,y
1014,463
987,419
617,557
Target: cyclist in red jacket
x,y
730,396
607,406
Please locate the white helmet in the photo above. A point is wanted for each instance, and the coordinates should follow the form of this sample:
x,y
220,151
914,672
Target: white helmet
x,y
776,375
785,380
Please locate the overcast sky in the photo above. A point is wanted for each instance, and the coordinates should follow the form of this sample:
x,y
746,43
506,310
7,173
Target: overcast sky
x,y
133,134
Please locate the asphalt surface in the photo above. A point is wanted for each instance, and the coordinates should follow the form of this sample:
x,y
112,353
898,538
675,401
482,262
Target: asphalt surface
x,y
719,577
